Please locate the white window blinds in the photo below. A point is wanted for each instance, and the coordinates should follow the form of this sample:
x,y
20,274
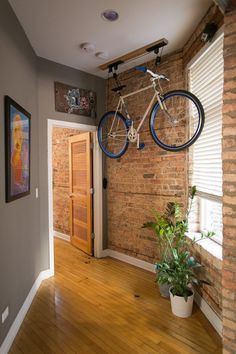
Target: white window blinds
x,y
206,82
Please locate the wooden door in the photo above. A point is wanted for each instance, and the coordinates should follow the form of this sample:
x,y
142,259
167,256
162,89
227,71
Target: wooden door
x,y
80,170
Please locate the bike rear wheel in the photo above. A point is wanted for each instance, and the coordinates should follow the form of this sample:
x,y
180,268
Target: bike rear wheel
x,y
112,134
180,125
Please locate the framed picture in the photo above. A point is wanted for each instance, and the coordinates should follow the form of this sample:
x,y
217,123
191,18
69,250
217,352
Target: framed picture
x,y
17,150
71,99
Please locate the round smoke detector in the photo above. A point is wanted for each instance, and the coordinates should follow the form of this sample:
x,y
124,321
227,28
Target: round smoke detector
x,y
110,15
88,47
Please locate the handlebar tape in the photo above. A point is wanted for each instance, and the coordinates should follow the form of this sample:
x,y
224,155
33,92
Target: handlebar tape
x,y
141,68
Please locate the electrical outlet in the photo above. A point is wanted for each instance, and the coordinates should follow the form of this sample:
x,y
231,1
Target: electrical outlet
x,y
5,314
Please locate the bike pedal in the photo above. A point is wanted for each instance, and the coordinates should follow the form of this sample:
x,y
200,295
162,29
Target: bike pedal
x,y
141,146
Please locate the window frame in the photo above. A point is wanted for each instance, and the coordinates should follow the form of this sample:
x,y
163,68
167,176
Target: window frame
x,y
202,195
202,219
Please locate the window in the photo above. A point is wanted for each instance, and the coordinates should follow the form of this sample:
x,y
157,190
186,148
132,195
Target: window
x,y
206,82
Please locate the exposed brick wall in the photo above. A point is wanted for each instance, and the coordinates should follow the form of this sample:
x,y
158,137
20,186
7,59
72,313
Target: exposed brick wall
x,y
211,271
60,158
229,185
142,180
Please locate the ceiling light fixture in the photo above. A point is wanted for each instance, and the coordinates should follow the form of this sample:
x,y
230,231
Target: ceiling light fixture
x,y
88,47
110,15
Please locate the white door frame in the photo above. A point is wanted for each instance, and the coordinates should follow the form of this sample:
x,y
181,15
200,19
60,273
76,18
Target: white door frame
x,y
97,185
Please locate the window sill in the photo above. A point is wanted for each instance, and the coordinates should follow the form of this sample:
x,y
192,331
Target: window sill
x,y
210,246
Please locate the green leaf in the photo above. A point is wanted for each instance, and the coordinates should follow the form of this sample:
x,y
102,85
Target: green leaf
x,y
149,225
175,254
193,192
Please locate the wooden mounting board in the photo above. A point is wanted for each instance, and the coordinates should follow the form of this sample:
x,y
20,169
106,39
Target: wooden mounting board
x,y
134,54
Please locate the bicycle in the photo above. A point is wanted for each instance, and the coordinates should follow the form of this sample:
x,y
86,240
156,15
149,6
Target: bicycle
x,y
170,124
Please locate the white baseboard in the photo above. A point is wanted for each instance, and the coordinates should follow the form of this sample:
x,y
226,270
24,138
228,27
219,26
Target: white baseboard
x,y
6,345
210,314
105,253
64,237
128,259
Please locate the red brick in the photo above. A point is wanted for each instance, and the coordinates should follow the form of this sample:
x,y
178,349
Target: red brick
x,y
229,186
228,275
229,324
228,294
231,315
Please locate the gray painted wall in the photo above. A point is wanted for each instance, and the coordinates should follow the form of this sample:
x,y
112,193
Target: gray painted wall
x,y
24,223
48,73
20,261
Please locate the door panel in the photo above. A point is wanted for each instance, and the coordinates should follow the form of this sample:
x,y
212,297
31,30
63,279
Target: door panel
x,y
80,197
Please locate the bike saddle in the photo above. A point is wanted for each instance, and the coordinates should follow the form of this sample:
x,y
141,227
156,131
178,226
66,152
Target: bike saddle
x,y
118,88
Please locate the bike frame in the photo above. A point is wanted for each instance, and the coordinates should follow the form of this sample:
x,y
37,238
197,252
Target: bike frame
x,y
121,103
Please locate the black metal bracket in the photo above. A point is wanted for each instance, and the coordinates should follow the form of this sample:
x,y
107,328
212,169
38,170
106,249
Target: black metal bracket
x,y
155,48
114,66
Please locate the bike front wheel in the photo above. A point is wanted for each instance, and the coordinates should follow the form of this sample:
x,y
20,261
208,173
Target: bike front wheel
x,y
179,124
113,134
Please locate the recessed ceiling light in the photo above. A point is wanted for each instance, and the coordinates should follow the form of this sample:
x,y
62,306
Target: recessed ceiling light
x,y
110,15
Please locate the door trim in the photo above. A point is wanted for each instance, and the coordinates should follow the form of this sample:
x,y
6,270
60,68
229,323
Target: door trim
x,y
97,184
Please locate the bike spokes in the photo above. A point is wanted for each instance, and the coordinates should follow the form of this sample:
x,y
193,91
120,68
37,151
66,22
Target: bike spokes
x,y
113,134
177,124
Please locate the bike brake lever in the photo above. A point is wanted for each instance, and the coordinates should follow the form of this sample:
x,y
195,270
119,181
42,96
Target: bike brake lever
x,y
163,77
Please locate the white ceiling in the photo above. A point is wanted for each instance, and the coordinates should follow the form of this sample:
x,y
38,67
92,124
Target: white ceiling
x,y
56,28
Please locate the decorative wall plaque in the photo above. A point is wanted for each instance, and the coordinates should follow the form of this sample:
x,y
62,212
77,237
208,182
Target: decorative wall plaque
x,y
70,99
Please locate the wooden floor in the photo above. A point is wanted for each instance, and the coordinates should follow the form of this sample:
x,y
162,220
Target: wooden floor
x,y
106,306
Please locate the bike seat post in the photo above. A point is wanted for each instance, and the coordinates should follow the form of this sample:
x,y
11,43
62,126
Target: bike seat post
x,y
125,108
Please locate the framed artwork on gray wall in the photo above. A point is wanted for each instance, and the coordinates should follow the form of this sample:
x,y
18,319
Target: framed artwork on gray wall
x,y
17,150
70,99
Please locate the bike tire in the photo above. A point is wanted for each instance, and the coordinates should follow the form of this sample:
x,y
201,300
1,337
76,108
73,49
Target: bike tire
x,y
103,120
200,123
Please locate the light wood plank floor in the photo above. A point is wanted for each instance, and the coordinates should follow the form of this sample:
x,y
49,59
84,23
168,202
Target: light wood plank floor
x,y
106,306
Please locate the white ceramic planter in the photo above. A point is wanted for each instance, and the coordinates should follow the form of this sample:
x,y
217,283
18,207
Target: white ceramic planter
x,y
180,307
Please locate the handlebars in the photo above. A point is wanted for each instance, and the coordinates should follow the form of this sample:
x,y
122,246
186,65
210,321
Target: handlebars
x,y
155,76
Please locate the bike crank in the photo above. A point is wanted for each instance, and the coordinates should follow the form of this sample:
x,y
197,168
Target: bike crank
x,y
132,134
133,137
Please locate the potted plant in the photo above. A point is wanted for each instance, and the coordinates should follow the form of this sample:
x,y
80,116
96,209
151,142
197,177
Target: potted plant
x,y
170,229
180,273
175,265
